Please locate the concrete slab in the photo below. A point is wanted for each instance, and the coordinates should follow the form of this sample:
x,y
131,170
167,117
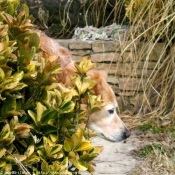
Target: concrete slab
x,y
116,158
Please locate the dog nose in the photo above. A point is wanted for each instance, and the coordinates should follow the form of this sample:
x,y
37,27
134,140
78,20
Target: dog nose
x,y
127,133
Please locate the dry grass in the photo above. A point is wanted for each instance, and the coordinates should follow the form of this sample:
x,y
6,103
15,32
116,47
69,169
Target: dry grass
x,y
158,154
151,23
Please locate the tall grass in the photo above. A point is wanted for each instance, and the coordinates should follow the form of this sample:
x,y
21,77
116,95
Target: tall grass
x,y
152,22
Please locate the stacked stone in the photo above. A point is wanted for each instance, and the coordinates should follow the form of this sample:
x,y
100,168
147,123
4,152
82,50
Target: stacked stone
x,y
127,75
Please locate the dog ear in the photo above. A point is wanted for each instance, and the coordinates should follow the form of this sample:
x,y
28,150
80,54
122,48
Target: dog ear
x,y
64,76
52,48
98,75
103,74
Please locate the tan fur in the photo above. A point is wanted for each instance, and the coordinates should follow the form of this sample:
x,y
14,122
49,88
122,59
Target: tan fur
x,y
105,122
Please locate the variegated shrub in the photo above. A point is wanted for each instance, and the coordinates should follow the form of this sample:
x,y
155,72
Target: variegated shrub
x,y
42,126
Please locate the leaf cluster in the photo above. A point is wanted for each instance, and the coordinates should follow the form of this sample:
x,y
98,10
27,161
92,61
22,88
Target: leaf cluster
x,y
41,121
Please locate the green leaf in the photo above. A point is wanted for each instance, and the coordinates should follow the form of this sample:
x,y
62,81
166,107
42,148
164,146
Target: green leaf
x,y
29,150
5,132
68,107
33,159
76,140
18,87
2,75
65,163
88,157
85,65
76,81
6,141
8,83
47,129
34,40
95,102
19,157
79,133
68,145
25,8
55,149
40,110
47,141
52,86
67,96
85,145
53,137
2,152
18,75
42,154
2,163
6,169
48,115
81,165
45,167
33,116
55,70
54,152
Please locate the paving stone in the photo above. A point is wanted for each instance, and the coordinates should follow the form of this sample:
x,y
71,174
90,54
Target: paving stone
x,y
116,158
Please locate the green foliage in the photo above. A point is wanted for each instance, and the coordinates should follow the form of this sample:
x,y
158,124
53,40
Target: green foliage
x,y
150,149
41,120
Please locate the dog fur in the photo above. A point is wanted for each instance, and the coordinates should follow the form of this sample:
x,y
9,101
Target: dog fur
x,y
105,121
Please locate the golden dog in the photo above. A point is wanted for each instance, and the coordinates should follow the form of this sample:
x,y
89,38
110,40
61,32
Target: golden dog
x,y
105,121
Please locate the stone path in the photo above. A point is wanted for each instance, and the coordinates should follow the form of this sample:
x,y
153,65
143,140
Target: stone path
x,y
116,158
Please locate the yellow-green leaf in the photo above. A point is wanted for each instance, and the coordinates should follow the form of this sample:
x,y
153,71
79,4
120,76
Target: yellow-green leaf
x,y
77,140
47,141
45,167
42,153
85,145
7,168
2,75
2,163
8,83
85,65
2,152
19,157
68,145
68,107
33,159
29,150
5,132
33,116
18,75
55,149
81,165
53,137
79,133
6,141
40,109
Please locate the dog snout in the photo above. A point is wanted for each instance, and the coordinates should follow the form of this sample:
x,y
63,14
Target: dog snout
x,y
127,133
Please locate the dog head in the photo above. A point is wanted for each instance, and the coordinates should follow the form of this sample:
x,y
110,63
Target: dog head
x,y
106,121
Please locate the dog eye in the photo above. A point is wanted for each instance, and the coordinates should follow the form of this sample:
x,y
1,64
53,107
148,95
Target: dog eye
x,y
111,111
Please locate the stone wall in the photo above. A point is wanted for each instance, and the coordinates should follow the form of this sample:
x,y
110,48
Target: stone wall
x,y
128,72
